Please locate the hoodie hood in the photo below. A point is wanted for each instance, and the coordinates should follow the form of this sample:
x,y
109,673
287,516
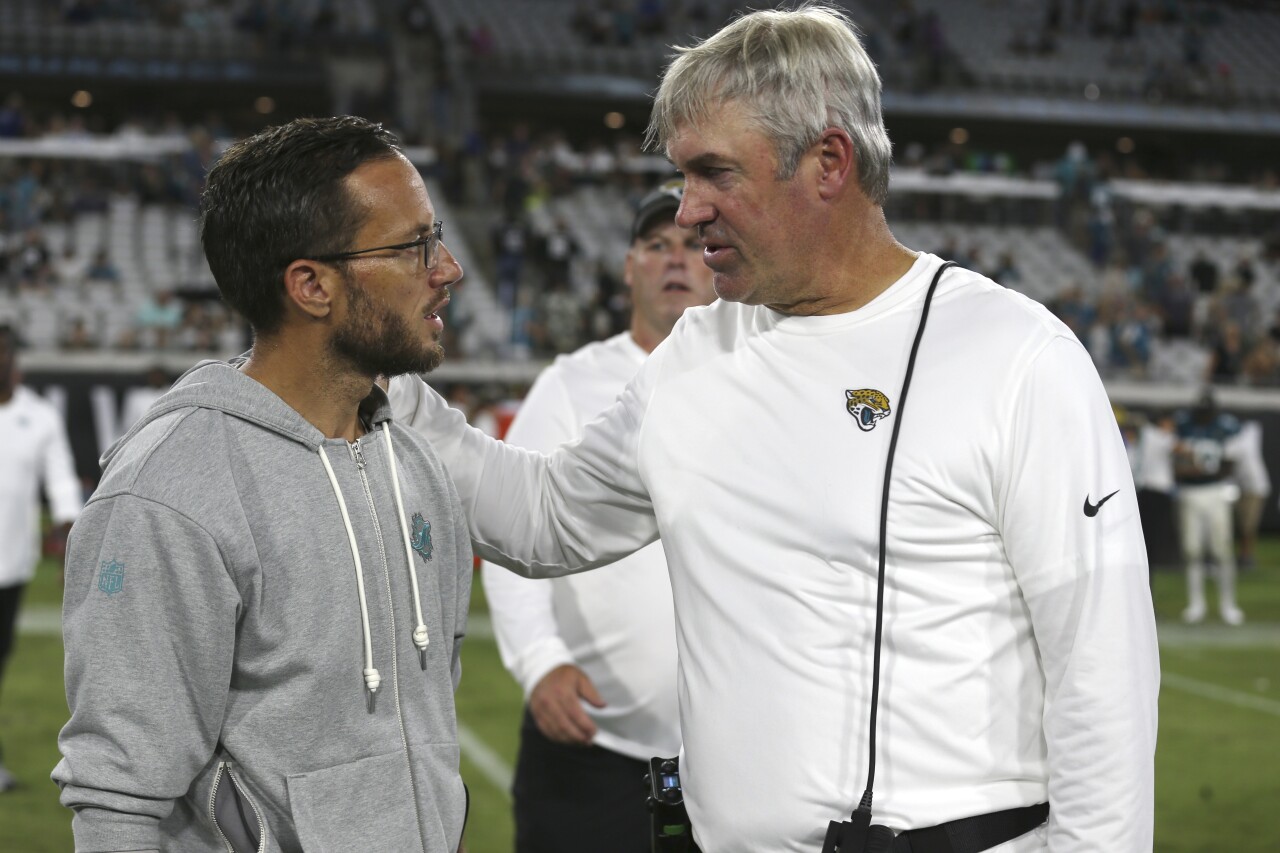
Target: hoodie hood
x,y
223,386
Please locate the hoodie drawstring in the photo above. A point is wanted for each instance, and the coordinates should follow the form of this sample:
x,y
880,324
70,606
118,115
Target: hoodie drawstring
x,y
371,677
420,638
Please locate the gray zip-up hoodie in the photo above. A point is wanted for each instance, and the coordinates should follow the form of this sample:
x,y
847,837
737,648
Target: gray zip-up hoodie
x,y
234,589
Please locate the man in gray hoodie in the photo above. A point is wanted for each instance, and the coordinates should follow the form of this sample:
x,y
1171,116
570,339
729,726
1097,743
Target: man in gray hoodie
x,y
266,596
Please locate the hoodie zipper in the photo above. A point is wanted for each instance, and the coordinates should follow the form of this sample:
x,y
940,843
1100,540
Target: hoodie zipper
x,y
225,767
358,456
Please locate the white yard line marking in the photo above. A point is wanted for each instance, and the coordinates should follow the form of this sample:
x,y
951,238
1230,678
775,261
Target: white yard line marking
x,y
488,762
1225,695
40,619
1251,635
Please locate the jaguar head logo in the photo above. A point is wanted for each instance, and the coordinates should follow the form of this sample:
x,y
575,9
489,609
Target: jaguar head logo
x,y
867,406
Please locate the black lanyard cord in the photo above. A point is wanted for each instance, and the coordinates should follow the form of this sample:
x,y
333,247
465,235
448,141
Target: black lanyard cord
x,y
865,803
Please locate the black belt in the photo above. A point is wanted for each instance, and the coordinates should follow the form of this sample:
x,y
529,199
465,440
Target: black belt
x,y
972,834
968,834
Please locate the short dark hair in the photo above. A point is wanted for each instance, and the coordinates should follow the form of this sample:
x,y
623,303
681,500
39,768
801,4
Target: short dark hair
x,y
278,196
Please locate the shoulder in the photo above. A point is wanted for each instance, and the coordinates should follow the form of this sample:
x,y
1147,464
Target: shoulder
x,y
415,449
718,315
33,405
1001,309
618,354
707,329
178,457
995,322
406,393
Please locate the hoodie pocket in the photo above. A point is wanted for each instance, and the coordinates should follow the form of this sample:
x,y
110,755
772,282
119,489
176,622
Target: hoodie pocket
x,y
234,815
365,805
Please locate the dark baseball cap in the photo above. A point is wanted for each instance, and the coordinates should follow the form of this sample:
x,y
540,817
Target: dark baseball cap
x,y
664,200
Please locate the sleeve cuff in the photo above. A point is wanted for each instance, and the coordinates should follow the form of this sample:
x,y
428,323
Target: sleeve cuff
x,y
538,660
104,831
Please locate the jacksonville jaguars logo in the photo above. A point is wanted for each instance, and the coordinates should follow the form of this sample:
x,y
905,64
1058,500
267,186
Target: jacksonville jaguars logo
x,y
867,406
421,539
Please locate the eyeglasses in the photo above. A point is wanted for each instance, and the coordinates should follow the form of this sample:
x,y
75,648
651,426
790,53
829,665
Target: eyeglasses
x,y
429,245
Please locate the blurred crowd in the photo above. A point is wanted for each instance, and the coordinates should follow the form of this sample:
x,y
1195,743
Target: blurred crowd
x,y
78,276
911,47
1136,295
557,292
266,24
1144,290
1190,75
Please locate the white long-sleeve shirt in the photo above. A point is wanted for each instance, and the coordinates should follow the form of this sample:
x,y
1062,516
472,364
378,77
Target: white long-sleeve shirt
x,y
617,624
1249,466
35,452
1020,659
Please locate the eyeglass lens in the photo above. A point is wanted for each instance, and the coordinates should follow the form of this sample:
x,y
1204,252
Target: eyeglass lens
x,y
431,248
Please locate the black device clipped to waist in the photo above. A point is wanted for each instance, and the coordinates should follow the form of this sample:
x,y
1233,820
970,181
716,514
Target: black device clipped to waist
x,y
672,832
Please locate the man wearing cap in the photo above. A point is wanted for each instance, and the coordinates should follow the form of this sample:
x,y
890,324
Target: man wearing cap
x,y
596,652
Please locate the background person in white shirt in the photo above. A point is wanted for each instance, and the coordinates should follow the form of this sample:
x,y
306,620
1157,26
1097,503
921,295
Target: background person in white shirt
x,y
1250,473
1020,665
596,652
36,453
1155,481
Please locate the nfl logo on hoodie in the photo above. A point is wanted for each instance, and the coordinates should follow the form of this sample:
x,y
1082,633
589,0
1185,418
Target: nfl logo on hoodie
x,y
111,576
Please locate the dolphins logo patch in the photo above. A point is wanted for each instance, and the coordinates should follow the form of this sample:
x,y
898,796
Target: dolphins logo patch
x,y
421,539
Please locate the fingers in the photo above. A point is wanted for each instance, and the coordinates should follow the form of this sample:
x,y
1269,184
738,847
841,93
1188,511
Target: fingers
x,y
556,706
587,690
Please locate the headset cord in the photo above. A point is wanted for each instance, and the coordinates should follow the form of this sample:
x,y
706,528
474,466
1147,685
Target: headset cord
x,y
865,803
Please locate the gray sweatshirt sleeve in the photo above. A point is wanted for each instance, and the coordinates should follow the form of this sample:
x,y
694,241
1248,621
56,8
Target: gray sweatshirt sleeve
x,y
462,600
149,616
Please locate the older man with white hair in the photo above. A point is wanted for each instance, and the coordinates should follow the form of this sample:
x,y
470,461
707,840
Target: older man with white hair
x,y
899,517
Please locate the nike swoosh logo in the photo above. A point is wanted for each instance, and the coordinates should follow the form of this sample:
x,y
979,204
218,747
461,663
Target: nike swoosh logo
x,y
1090,510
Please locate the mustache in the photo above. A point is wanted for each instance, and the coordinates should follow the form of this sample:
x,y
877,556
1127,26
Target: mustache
x,y
445,295
707,236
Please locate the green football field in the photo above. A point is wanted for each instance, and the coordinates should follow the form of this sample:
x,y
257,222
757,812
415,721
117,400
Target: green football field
x,y
1217,769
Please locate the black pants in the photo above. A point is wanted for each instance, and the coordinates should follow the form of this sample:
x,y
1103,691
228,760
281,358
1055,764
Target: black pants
x,y
577,799
10,598
1159,530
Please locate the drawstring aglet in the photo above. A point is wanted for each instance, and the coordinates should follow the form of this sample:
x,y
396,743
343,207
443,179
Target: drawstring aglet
x,y
420,639
371,682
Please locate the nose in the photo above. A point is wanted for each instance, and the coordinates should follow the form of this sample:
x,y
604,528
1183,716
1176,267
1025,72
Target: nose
x,y
447,270
693,210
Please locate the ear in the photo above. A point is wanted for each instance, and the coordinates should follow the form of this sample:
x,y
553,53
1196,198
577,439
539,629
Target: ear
x,y
837,162
628,267
309,286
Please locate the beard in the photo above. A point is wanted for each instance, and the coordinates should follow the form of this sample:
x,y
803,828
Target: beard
x,y
378,342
